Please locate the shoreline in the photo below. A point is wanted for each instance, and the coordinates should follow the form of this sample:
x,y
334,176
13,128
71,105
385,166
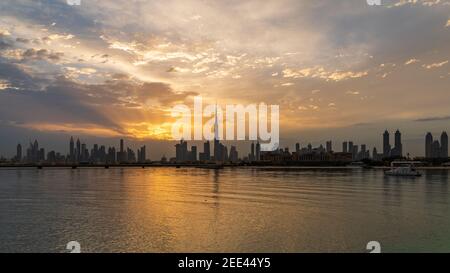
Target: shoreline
x,y
203,166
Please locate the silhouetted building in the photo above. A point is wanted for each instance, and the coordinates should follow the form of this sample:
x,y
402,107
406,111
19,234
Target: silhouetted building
x,y
78,151
386,144
444,145
355,152
121,155
131,156
142,154
350,147
206,155
33,155
376,156
428,145
258,151
329,146
181,151
434,149
72,150
207,150
252,152
398,146
193,154
234,157
345,147
19,153
111,158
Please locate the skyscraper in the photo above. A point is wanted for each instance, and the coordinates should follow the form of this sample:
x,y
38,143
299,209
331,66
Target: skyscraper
x,y
234,157
329,146
78,154
252,152
355,152
142,154
217,146
258,151
398,148
386,144
345,147
435,149
121,157
428,145
19,153
193,154
444,145
72,150
207,150
297,147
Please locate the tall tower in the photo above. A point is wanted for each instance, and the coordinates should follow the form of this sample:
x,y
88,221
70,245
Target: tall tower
x,y
216,126
386,144
121,152
444,145
78,157
252,152
72,149
206,150
217,146
345,147
19,153
329,146
428,145
398,144
258,151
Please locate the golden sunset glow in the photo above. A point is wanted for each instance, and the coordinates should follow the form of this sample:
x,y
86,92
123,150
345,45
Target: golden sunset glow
x,y
117,69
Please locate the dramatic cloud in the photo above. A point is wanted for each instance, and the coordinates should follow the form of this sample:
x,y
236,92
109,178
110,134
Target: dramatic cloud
x,y
99,109
119,66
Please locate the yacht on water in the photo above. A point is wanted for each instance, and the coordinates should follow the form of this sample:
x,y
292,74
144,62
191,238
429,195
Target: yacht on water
x,y
403,168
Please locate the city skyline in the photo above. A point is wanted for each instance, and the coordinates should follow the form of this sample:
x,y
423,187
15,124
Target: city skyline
x,y
335,68
79,152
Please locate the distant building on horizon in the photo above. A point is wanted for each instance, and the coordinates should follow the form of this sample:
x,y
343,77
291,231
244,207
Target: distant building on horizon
x,y
388,151
435,149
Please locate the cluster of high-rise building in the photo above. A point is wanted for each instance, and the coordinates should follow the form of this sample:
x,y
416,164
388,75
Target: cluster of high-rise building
x,y
388,150
80,154
357,152
435,149
221,154
308,154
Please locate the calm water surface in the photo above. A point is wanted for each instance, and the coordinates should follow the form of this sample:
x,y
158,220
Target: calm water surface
x,y
229,210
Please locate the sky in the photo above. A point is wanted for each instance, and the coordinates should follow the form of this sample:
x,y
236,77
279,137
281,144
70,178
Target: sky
x,y
339,70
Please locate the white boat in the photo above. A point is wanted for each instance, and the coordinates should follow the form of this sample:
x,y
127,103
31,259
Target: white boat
x,y
402,169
